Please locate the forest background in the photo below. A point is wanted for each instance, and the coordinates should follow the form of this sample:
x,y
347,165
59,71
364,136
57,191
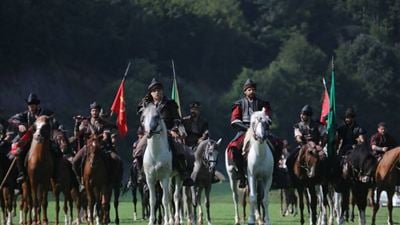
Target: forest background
x,y
74,52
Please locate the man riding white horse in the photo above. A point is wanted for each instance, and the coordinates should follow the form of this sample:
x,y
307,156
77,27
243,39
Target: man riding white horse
x,y
240,120
168,110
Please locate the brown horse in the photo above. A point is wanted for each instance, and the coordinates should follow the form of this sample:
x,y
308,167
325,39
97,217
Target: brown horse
x,y
386,176
95,179
116,180
64,181
40,166
307,171
7,191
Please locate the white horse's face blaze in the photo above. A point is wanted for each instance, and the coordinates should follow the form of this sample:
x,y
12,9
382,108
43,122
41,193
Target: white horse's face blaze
x,y
211,155
260,125
42,129
151,121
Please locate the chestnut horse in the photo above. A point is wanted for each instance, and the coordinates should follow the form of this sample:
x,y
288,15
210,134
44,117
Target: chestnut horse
x,y
7,191
40,167
64,181
95,180
307,173
386,176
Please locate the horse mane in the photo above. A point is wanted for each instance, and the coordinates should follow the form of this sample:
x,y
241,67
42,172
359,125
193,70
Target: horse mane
x,y
201,148
249,134
151,108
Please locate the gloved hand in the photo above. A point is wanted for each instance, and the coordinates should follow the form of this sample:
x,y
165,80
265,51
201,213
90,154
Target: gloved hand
x,y
15,149
10,156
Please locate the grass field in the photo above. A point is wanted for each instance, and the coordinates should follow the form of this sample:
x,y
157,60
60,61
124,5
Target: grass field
x,y
222,212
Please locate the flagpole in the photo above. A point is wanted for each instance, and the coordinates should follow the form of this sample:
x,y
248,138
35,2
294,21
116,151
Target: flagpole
x,y
127,69
123,78
173,68
175,83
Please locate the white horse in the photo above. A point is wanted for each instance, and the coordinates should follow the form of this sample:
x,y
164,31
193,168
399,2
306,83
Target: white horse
x,y
157,161
259,168
260,164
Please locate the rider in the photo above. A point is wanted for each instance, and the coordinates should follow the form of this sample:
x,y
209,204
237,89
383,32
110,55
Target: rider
x,y
304,131
382,141
23,122
195,125
137,155
3,125
240,120
169,113
84,127
350,133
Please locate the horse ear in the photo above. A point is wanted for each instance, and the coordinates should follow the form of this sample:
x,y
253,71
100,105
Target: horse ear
x,y
264,110
219,141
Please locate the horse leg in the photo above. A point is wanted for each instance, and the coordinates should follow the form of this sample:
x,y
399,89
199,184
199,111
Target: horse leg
x,y
300,191
360,197
134,200
194,190
376,201
313,204
390,193
177,198
321,203
90,199
8,204
45,205
252,198
57,201
116,203
105,202
199,206
265,187
65,209
207,202
165,201
152,198
344,205
235,196
3,207
352,202
187,201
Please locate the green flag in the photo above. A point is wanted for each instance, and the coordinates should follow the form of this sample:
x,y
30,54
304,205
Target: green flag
x,y
175,92
332,117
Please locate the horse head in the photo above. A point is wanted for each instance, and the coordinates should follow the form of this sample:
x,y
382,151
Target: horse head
x,y
210,156
152,121
61,140
310,156
259,125
363,164
42,129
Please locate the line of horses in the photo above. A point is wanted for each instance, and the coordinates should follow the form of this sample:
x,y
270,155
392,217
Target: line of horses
x,y
47,172
326,183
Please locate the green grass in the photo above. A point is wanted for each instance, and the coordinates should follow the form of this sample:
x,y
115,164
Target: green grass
x,y
222,212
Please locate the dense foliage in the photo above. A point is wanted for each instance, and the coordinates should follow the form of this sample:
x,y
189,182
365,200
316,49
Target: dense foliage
x,y
285,45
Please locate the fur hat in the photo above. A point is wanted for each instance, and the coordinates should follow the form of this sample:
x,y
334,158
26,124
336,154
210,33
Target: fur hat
x,y
32,99
248,84
154,84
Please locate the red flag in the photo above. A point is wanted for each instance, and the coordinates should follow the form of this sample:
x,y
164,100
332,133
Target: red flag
x,y
118,107
325,105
